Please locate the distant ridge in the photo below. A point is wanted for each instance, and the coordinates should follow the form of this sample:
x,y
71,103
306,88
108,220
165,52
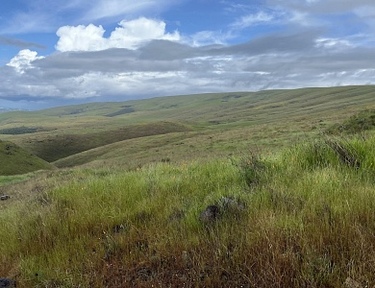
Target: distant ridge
x,y
5,109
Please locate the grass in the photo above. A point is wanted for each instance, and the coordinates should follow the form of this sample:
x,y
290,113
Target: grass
x,y
15,160
362,121
52,147
14,179
309,222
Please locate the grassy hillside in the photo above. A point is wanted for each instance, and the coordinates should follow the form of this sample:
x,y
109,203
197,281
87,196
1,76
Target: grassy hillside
x,y
52,147
303,217
15,160
264,189
207,125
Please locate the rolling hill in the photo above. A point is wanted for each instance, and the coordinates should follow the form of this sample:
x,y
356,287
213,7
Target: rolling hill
x,y
180,127
15,160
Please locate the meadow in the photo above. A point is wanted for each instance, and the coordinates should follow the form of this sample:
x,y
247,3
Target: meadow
x,y
290,173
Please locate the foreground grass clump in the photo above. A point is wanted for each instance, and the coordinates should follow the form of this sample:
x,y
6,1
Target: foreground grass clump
x,y
309,221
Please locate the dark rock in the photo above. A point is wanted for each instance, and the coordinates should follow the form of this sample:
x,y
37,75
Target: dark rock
x,y
8,283
120,228
226,206
210,214
3,198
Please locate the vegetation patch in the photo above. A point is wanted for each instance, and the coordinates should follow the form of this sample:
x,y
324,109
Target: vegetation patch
x,y
15,160
363,121
125,110
20,130
228,97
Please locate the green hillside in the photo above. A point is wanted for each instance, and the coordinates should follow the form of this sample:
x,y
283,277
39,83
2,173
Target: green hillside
x,y
248,189
180,127
15,160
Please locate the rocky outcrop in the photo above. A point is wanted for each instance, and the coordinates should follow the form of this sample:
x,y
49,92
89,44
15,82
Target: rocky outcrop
x,y
3,198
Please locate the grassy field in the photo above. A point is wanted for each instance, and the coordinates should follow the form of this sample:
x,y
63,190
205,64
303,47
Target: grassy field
x,y
289,175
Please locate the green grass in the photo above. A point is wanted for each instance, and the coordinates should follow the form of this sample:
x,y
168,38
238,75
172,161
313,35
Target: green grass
x,y
15,160
58,146
309,221
14,179
360,122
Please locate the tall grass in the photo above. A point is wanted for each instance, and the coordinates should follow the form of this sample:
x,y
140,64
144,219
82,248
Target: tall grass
x,y
309,221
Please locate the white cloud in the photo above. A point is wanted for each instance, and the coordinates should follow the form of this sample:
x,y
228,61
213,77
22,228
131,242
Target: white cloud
x,y
203,38
130,34
80,38
333,43
22,61
252,20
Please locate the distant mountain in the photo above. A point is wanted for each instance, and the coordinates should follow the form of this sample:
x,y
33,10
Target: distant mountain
x,y
7,109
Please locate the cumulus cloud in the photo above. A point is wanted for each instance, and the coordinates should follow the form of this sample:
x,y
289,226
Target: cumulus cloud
x,y
164,67
23,60
129,34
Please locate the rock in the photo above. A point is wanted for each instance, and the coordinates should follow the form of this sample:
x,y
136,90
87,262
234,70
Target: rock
x,y
228,206
231,204
350,283
8,283
118,228
210,214
3,198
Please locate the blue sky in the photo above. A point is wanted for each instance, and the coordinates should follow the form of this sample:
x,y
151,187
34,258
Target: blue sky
x,y
73,51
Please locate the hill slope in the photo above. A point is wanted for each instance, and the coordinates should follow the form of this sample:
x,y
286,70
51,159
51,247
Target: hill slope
x,y
181,127
15,160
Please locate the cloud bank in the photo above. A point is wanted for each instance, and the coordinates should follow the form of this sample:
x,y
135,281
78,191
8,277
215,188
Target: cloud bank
x,y
303,43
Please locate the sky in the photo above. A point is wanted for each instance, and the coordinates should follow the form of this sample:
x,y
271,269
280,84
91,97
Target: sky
x,y
67,52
